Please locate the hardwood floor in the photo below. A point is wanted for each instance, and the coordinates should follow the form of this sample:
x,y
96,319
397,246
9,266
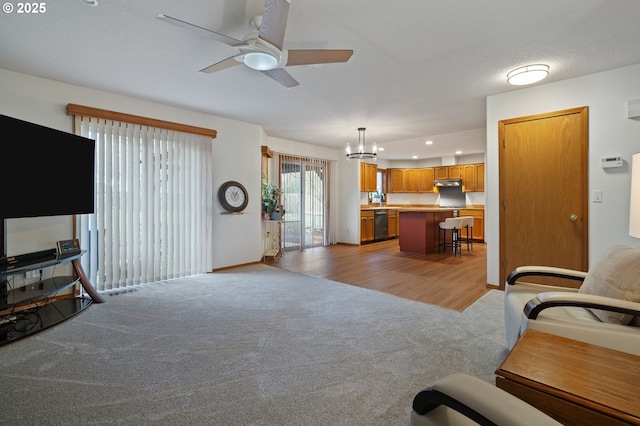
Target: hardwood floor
x,y
437,279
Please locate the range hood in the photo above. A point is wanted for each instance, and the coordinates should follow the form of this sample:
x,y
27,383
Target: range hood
x,y
448,182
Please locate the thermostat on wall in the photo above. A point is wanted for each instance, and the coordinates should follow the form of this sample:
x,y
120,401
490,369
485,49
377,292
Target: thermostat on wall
x,y
609,162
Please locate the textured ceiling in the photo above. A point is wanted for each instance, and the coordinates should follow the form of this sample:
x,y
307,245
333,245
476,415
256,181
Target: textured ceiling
x,y
421,69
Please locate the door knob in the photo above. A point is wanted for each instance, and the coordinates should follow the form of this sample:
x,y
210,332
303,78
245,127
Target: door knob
x,y
573,218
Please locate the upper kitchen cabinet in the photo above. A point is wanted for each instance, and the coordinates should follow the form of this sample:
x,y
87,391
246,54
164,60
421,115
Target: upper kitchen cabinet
x,y
368,177
473,177
425,179
448,172
421,179
411,180
455,172
402,180
442,172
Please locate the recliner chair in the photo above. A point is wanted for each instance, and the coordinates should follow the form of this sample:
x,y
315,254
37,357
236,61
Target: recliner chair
x,y
604,311
460,399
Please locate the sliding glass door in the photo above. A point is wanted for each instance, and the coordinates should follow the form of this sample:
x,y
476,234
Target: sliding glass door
x,y
304,182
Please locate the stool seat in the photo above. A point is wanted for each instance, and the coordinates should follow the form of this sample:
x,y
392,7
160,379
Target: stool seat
x,y
454,224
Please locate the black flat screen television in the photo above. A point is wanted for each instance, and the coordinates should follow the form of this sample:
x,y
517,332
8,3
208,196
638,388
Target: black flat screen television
x,y
45,172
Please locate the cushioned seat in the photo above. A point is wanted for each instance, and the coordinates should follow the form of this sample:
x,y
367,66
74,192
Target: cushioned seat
x,y
460,399
604,311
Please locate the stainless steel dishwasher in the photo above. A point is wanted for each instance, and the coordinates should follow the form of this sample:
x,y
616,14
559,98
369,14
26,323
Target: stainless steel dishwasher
x,y
380,224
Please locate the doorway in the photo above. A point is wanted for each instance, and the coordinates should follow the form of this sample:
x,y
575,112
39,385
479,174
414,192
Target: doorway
x,y
304,183
543,179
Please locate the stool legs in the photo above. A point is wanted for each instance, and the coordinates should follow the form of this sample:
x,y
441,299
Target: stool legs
x,y
455,241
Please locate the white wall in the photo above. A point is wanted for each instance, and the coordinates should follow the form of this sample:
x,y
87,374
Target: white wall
x,y
611,134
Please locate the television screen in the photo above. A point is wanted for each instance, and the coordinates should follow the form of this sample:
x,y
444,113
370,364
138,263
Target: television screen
x,y
45,172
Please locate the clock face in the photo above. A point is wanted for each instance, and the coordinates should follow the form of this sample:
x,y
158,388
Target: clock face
x,y
233,196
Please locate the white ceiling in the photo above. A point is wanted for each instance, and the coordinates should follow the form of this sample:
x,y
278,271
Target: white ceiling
x,y
421,69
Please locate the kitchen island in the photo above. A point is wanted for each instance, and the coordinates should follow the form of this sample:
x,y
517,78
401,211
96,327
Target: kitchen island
x,y
419,228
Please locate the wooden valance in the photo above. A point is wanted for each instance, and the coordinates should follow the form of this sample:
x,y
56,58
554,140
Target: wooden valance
x,y
73,109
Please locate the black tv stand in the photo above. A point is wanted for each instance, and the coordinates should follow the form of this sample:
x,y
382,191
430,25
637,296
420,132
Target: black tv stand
x,y
28,309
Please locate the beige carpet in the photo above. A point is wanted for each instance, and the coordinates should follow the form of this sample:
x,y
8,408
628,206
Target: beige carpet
x,y
249,346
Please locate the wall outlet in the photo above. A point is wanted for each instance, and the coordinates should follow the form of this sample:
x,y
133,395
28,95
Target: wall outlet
x,y
32,274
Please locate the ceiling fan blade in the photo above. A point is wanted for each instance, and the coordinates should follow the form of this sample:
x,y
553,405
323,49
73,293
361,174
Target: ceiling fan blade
x,y
222,65
220,37
282,77
309,57
274,22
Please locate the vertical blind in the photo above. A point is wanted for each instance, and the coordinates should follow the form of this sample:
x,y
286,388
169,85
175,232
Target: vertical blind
x,y
305,183
153,204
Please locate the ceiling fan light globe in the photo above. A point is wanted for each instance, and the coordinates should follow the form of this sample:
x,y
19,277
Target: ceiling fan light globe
x,y
260,61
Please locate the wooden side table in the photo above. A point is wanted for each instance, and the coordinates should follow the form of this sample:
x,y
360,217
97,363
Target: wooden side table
x,y
574,382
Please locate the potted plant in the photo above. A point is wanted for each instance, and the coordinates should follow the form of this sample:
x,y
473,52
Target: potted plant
x,y
272,201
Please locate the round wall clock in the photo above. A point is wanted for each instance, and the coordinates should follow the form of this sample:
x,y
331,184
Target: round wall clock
x,y
233,196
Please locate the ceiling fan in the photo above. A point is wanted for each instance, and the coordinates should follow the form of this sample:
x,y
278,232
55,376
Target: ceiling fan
x,y
264,52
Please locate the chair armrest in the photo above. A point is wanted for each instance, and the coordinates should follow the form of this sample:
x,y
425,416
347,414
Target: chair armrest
x,y
550,299
479,401
545,271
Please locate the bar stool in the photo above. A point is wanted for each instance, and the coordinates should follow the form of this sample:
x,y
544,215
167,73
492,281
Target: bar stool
x,y
454,224
467,222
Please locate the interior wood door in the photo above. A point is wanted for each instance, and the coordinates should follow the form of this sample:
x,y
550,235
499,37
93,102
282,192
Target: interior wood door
x,y
544,191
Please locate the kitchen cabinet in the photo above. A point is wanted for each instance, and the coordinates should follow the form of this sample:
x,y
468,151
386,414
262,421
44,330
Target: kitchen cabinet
x,y
366,226
448,172
455,172
396,180
403,180
473,177
442,172
478,223
479,168
392,223
425,179
468,178
421,179
368,177
411,180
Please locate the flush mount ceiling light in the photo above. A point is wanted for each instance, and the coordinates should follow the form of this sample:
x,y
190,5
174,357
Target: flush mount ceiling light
x,y
363,151
528,75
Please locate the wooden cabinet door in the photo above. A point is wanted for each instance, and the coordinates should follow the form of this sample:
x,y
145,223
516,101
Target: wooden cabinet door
x,y
442,172
410,180
479,177
469,177
368,177
396,178
392,224
478,228
366,226
425,179
455,172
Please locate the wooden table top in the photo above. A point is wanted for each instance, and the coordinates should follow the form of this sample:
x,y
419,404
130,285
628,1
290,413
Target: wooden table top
x,y
603,379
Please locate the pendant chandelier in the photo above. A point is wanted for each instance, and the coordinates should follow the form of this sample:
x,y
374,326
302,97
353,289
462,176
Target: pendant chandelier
x,y
363,151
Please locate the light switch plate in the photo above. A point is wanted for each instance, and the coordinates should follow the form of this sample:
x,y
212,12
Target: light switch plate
x,y
596,195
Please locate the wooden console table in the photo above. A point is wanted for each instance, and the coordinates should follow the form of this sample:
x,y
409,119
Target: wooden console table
x,y
574,382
